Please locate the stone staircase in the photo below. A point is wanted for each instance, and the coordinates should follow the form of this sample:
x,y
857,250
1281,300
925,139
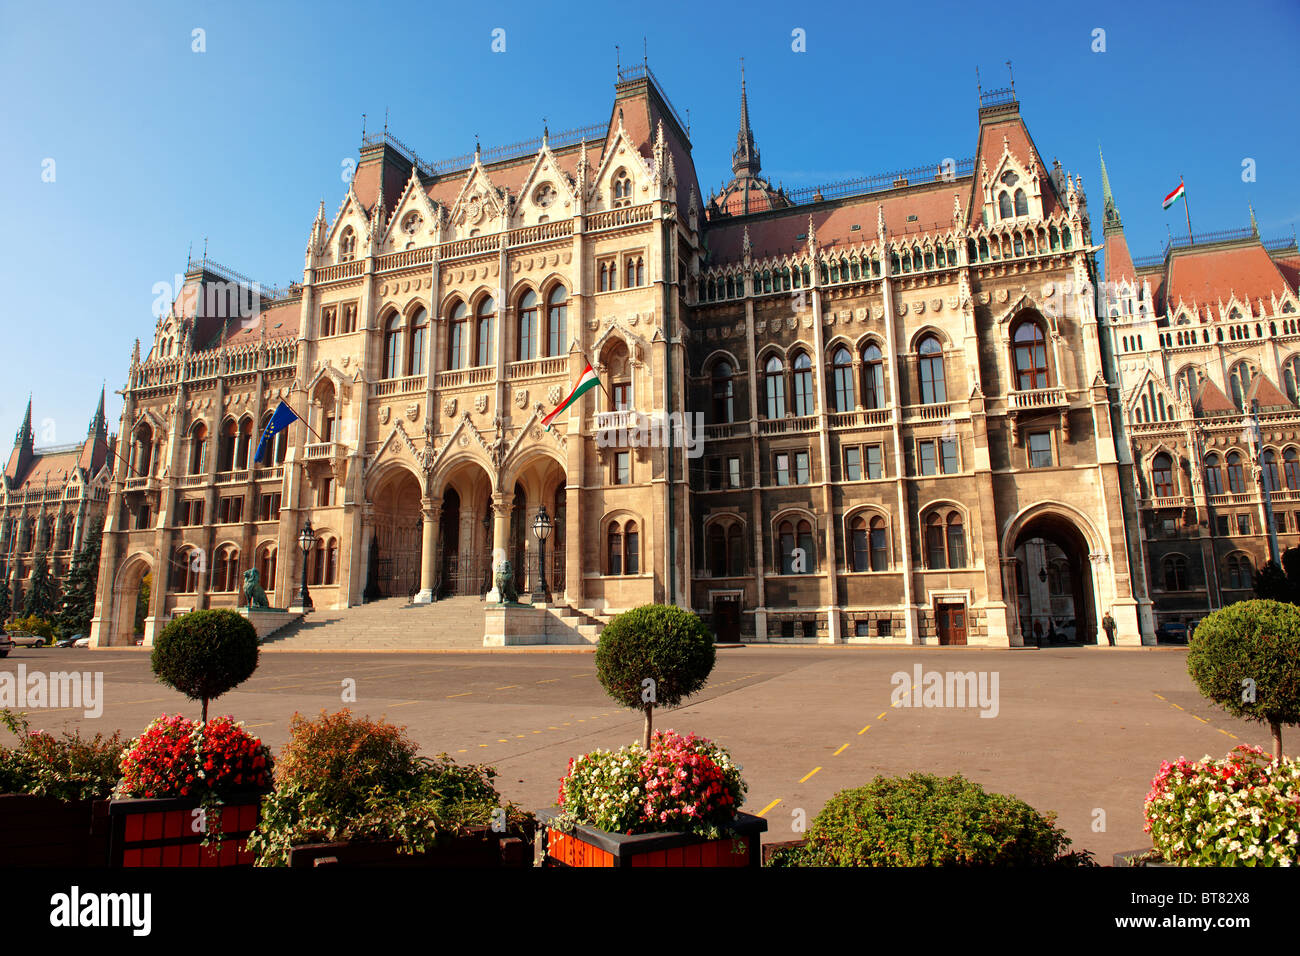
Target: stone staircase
x,y
454,623
390,624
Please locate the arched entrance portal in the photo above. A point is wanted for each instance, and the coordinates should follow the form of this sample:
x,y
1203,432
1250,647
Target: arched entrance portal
x,y
1055,594
464,542
398,526
126,600
538,481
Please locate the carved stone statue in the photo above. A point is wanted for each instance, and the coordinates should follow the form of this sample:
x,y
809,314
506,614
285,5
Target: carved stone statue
x,y
505,582
254,596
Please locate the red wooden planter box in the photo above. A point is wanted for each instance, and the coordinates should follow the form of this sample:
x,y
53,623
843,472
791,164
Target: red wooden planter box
x,y
160,832
587,846
44,831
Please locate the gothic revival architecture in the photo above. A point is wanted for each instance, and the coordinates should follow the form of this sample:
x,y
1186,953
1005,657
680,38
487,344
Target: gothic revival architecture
x,y
908,432
50,498
1206,343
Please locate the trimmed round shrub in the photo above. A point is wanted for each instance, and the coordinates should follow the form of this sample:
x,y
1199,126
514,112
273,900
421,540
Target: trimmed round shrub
x,y
1246,658
926,820
654,654
203,654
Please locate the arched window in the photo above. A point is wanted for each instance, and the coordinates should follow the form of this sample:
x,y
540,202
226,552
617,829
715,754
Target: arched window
x,y
956,541
1213,476
392,345
225,569
419,333
325,561
1290,377
1240,573
723,393
1189,381
1162,476
141,450
631,549
266,567
1030,356
717,551
275,449
245,442
842,380
1236,481
557,321
798,554
1175,567
226,450
930,365
1240,378
1004,205
945,540
1270,470
614,548
774,387
735,551
486,314
803,385
873,377
1291,468
936,553
458,337
859,545
879,545
347,245
622,189
199,449
1022,203
186,564
527,326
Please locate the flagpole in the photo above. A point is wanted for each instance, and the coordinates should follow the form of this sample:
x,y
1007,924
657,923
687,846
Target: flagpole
x,y
1187,209
603,388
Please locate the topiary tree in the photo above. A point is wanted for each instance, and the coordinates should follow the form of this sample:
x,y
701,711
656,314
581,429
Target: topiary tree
x,y
1246,658
654,654
203,654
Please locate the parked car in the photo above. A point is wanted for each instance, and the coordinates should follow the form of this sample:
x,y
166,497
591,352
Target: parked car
x,y
69,641
1174,632
24,639
6,645
81,642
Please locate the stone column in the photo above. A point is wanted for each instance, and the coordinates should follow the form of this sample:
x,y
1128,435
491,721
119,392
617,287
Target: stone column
x,y
431,510
501,504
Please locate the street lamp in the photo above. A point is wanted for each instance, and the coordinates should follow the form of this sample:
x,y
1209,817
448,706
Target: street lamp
x,y
541,528
306,541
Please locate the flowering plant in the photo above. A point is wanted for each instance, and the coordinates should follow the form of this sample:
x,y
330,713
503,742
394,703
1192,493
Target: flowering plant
x,y
1242,810
175,757
687,784
66,767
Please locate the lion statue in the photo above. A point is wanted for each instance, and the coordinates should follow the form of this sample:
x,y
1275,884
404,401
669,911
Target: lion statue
x,y
254,596
505,582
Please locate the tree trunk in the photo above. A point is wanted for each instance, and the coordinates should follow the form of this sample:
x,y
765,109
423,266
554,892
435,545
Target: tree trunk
x,y
649,721
205,710
1276,727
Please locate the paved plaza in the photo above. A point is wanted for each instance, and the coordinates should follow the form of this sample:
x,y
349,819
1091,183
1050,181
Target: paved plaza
x,y
1077,731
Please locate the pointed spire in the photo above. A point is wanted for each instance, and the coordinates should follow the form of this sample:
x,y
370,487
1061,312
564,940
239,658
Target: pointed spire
x,y
746,155
1254,226
25,436
98,424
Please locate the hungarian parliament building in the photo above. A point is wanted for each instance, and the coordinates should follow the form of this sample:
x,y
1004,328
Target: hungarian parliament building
x,y
905,409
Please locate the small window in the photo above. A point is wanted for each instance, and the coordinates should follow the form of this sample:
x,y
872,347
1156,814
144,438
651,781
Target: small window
x,y
948,449
875,459
852,464
861,628
884,627
623,468
783,469
1040,450
926,461
733,472
1243,524
1221,525
803,474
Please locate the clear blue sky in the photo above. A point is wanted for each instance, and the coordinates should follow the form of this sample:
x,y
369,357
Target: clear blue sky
x,y
157,147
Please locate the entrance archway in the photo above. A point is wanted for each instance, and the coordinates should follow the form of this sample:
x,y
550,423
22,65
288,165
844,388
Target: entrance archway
x,y
464,543
126,597
398,527
536,481
1054,591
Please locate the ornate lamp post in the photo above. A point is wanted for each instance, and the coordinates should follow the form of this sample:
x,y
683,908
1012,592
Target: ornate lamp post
x,y
306,541
542,528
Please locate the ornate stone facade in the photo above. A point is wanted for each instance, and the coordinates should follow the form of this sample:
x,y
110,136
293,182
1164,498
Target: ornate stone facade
x,y
899,389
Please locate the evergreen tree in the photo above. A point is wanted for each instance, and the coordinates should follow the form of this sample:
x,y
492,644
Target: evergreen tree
x,y
41,599
79,593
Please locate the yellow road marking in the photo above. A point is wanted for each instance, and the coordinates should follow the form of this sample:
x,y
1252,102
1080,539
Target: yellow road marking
x,y
404,703
1175,705
508,687
250,726
882,715
1157,695
550,680
462,751
1201,719
840,751
763,812
809,774
503,740
864,730
466,694
1233,736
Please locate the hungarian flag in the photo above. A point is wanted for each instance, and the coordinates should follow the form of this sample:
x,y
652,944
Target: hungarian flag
x,y
1174,196
281,418
586,383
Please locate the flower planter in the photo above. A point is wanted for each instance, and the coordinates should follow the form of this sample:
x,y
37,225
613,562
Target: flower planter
x,y
587,846
44,831
160,831
1137,858
478,849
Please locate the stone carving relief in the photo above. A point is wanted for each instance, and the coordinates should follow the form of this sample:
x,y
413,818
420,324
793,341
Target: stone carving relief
x,y
412,411
521,398
384,413
555,395
449,408
481,403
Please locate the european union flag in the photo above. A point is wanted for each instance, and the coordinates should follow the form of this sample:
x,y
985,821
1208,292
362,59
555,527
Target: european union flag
x,y
281,418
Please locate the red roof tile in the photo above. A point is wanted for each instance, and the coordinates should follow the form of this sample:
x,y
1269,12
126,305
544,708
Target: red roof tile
x,y
1210,400
1213,275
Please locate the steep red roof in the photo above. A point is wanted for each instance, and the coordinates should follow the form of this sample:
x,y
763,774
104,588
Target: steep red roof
x,y
1119,264
1289,266
1211,276
1266,393
52,467
1021,145
1210,400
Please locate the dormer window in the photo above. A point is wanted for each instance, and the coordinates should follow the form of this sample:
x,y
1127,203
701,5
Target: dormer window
x,y
622,189
347,245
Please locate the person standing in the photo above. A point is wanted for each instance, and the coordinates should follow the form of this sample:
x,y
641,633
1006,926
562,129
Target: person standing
x,y
1108,625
